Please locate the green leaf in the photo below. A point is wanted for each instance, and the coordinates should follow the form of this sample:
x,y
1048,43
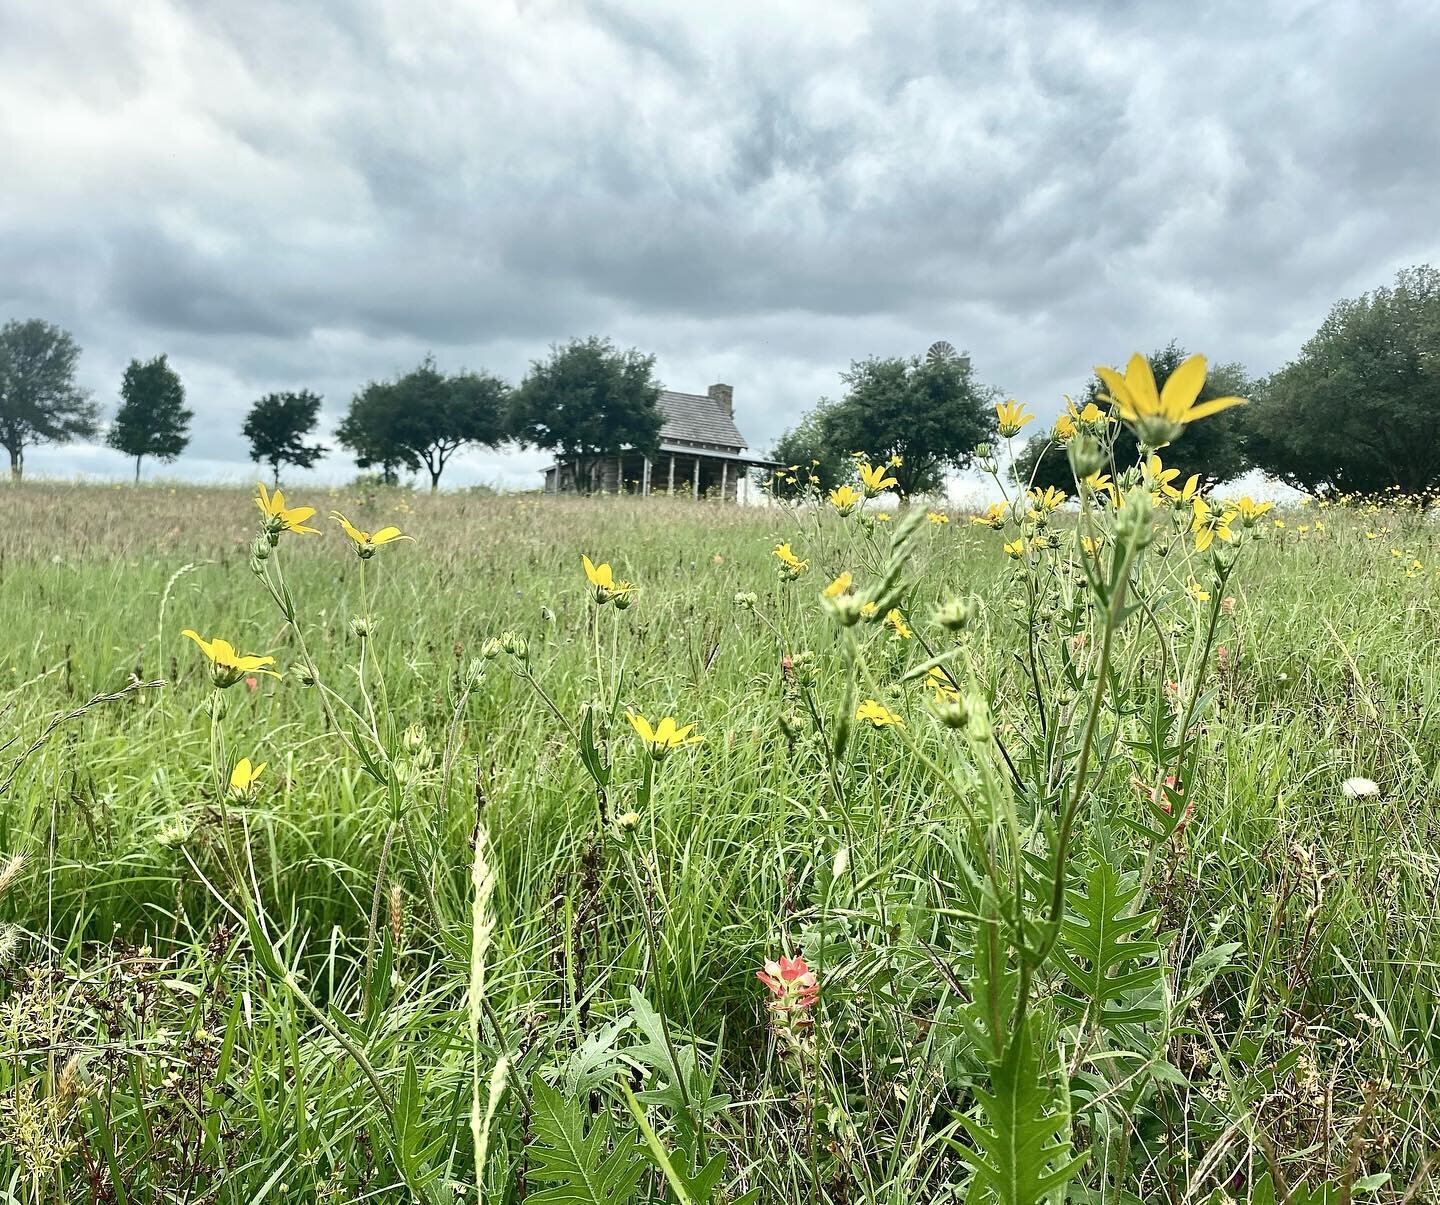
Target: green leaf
x,y
1022,1147
1108,957
582,1167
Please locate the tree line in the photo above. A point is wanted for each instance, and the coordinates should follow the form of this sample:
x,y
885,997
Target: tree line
x,y
586,401
1357,411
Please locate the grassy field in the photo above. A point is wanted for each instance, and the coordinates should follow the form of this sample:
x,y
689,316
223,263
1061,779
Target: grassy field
x,y
1097,920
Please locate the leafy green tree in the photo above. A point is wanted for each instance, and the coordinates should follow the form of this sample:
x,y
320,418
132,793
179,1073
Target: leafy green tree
x,y
588,401
1358,411
277,426
931,413
152,419
1213,449
422,419
802,445
370,429
39,400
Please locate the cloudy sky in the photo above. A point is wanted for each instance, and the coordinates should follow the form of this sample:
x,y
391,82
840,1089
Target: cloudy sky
x,y
286,195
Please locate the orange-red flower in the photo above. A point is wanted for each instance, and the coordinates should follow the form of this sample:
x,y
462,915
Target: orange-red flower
x,y
792,984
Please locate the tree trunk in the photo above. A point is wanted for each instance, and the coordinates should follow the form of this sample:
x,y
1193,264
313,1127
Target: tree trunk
x,y
274,475
137,469
17,464
435,479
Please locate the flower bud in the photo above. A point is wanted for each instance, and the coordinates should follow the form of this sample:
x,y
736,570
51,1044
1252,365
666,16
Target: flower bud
x,y
516,645
627,821
1132,524
491,649
746,600
361,626
303,675
791,725
1086,455
958,614
260,548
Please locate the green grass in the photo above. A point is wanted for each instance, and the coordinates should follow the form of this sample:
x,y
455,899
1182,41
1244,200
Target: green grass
x,y
152,1050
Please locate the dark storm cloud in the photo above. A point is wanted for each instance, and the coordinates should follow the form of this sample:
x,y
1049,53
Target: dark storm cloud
x,y
288,196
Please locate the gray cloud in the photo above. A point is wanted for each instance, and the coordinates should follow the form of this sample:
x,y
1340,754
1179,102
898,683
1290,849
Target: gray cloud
x,y
288,196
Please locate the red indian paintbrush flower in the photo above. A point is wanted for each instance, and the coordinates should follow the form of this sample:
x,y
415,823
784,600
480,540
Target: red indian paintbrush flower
x,y
792,984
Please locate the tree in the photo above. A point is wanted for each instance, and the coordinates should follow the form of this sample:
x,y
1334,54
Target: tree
x,y
277,426
802,445
1214,449
152,419
370,429
588,401
1359,410
931,413
39,400
423,418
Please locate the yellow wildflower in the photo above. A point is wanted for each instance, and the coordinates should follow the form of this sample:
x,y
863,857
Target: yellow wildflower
x,y
1015,549
602,579
1011,416
945,690
874,480
1100,485
844,499
876,713
791,566
937,517
994,516
243,776
665,737
1207,525
869,610
841,585
882,516
365,542
227,666
1250,510
896,461
896,623
1197,591
279,517
1047,500
1160,415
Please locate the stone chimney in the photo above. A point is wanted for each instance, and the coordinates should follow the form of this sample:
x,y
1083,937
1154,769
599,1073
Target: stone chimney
x,y
725,395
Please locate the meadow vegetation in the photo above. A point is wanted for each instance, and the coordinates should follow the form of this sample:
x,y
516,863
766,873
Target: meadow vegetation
x,y
1083,854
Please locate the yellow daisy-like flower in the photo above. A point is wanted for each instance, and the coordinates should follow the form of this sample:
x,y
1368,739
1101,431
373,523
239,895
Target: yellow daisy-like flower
x,y
874,480
841,585
1101,486
279,517
1011,416
896,623
882,517
1015,549
365,542
937,517
993,518
602,579
243,776
227,666
1047,500
896,461
791,566
1064,429
869,610
1208,525
1157,415
844,499
1197,591
665,737
939,680
1250,511
877,714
